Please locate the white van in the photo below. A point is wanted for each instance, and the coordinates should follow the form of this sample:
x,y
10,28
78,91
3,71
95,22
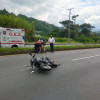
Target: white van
x,y
10,37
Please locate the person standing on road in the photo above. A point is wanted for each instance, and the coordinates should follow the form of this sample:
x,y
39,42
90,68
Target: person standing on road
x,y
51,40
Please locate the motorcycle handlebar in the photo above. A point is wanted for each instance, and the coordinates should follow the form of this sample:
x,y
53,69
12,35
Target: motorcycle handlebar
x,y
32,55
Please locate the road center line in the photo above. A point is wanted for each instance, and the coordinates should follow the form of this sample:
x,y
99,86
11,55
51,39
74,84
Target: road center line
x,y
85,57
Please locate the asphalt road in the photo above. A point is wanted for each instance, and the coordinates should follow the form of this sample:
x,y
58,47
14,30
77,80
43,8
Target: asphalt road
x,y
78,77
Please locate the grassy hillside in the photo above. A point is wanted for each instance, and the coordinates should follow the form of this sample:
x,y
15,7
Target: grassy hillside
x,y
41,26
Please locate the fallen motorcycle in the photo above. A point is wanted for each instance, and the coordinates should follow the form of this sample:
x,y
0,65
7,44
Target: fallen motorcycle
x,y
44,64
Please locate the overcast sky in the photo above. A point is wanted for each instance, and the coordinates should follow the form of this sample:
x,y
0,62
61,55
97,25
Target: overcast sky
x,y
54,11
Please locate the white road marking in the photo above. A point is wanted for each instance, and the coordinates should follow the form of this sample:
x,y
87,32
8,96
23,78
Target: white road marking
x,y
85,57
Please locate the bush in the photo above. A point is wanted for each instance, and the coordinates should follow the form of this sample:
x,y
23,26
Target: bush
x,y
96,39
60,39
84,39
56,39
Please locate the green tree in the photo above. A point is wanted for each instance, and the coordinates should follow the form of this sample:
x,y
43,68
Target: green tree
x,y
16,22
86,29
66,23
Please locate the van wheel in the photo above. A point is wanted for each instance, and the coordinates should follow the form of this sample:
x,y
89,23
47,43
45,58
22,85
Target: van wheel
x,y
14,46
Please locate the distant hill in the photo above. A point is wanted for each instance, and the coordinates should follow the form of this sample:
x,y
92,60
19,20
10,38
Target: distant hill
x,y
41,26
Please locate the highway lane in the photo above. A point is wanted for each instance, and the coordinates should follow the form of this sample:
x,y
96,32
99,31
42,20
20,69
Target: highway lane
x,y
78,77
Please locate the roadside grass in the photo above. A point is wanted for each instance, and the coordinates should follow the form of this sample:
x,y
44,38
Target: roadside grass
x,y
9,51
14,49
73,47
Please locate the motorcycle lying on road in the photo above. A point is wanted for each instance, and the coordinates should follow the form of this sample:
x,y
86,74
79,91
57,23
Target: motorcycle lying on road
x,y
44,64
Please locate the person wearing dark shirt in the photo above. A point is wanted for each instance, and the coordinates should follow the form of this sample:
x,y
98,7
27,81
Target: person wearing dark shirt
x,y
43,41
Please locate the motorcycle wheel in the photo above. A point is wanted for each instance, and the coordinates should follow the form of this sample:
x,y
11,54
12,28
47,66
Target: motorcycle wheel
x,y
45,67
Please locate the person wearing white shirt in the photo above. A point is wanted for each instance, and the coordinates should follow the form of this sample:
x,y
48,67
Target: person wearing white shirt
x,y
51,40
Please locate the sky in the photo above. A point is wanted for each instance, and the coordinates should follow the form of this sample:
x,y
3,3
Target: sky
x,y
55,11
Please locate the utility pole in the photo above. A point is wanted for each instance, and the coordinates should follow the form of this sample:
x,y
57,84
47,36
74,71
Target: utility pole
x,y
69,24
74,18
